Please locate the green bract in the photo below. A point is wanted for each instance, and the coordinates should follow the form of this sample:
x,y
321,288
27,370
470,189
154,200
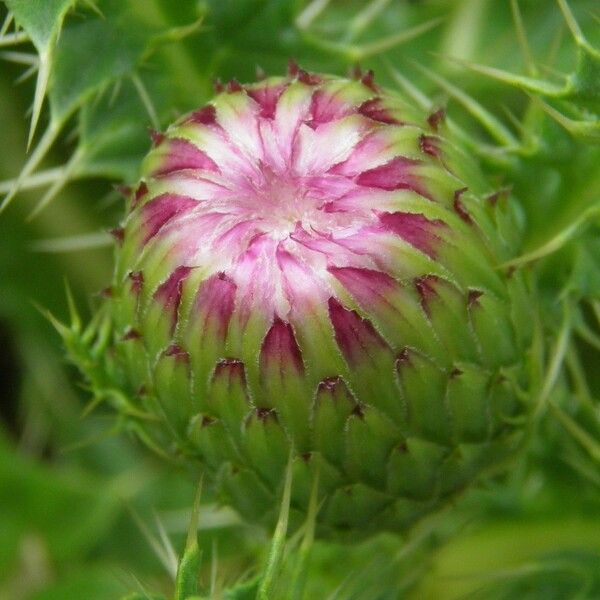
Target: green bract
x,y
310,265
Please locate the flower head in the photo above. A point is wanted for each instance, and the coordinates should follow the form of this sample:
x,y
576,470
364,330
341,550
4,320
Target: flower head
x,y
309,262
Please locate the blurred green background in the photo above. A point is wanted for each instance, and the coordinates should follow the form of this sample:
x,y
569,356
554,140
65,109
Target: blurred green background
x,y
82,505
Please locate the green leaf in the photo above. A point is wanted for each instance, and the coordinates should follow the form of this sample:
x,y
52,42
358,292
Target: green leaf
x,y
64,509
113,134
244,591
94,583
93,53
42,20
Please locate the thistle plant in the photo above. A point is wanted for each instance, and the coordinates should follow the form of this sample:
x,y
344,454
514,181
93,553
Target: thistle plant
x,y
358,309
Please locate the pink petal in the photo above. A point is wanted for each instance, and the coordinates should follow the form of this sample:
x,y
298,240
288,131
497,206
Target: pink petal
x,y
280,350
169,292
180,154
161,210
416,229
356,337
214,304
266,97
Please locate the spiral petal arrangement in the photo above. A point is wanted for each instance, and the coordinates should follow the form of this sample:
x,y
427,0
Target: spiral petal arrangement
x,y
310,264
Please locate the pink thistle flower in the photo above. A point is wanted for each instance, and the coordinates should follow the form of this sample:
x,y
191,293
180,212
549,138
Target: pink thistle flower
x,y
309,262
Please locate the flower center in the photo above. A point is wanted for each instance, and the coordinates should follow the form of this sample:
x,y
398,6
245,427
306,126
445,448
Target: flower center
x,y
277,190
282,204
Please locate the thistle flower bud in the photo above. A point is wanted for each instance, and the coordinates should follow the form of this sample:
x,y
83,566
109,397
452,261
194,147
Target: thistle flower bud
x,y
310,263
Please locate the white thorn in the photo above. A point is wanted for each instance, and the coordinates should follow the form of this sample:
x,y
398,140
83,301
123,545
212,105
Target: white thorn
x,y
74,243
412,90
365,17
6,24
154,543
555,365
146,100
23,58
396,39
40,92
11,39
493,126
94,7
36,157
167,544
522,37
27,74
115,91
67,172
310,13
571,22
33,181
214,569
